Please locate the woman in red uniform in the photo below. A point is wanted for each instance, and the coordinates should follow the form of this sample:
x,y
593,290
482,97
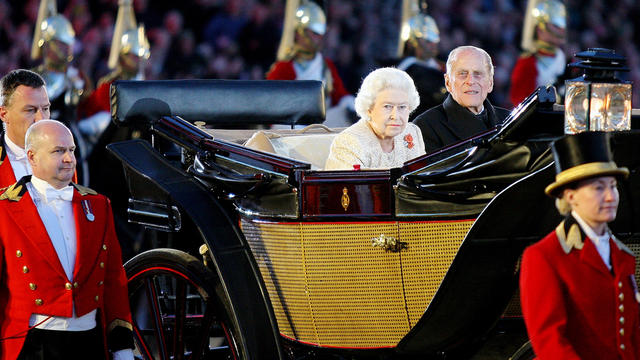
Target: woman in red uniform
x,y
578,291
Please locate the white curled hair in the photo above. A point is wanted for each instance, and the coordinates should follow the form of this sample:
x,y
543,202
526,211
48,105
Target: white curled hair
x,y
382,79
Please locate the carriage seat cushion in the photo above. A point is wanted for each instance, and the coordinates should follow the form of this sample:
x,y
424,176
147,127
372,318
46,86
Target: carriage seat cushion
x,y
309,148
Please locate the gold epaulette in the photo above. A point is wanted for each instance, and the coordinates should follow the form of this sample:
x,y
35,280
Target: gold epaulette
x,y
13,192
83,190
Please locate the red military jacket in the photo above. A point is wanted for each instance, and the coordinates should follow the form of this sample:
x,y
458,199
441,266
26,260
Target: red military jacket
x,y
7,177
573,306
284,70
32,280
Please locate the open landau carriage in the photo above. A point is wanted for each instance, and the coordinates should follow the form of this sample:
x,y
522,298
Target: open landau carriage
x,y
267,256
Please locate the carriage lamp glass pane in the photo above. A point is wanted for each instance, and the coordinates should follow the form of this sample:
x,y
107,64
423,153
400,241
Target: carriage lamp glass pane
x,y
610,107
576,105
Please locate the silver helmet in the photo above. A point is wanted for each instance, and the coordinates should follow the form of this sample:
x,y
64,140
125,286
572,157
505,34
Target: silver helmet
x,y
50,26
300,15
415,25
127,36
541,13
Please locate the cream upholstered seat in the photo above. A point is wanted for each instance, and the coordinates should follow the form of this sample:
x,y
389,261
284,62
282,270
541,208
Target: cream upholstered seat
x,y
312,148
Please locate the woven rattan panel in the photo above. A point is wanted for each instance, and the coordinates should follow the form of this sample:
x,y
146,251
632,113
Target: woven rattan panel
x,y
278,252
356,289
432,247
330,287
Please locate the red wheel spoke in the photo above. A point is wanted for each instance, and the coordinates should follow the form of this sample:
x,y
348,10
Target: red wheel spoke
x,y
205,325
180,313
156,314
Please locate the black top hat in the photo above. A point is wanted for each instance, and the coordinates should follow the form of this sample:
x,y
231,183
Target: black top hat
x,y
581,156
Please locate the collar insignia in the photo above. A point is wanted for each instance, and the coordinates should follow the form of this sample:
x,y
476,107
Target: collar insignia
x,y
571,238
83,190
14,192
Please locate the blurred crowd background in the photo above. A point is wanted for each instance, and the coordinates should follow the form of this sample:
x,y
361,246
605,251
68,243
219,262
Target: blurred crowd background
x,y
238,39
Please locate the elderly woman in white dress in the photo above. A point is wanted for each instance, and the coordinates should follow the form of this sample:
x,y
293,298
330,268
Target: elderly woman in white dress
x,y
382,138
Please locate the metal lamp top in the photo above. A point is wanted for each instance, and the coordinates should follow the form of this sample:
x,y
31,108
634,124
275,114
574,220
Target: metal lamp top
x,y
600,64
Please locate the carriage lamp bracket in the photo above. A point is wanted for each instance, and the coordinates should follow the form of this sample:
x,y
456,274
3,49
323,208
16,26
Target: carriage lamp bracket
x,y
154,215
206,257
388,243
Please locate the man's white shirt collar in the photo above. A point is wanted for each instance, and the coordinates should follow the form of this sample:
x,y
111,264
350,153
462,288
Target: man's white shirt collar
x,y
48,192
14,151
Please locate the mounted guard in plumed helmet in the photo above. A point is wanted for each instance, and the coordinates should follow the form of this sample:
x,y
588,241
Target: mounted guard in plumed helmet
x,y
300,51
543,61
419,37
128,55
129,46
53,42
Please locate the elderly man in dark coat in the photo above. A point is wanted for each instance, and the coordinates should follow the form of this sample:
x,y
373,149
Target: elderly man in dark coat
x,y
466,111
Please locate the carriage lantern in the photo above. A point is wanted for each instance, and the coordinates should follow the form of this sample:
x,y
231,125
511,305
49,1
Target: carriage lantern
x,y
597,100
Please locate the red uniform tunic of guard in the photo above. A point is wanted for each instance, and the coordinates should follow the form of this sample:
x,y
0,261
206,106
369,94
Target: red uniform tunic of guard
x,y
534,70
523,79
7,177
284,70
32,280
96,102
574,307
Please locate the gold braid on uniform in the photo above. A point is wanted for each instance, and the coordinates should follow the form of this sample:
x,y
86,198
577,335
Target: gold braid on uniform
x,y
15,191
119,335
83,190
570,234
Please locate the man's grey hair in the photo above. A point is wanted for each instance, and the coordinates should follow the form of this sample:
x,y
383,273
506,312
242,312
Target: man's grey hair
x,y
453,57
35,133
382,79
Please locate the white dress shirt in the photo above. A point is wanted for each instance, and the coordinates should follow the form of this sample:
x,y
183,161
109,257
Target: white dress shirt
x,y
601,242
57,215
18,158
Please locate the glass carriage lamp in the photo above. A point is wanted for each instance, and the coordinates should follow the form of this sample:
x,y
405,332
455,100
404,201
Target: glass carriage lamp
x,y
597,100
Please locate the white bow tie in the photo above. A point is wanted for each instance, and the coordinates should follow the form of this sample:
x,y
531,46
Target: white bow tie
x,y
66,193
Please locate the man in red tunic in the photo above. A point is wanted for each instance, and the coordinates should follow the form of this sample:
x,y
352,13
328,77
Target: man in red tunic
x,y
543,60
578,290
300,57
63,290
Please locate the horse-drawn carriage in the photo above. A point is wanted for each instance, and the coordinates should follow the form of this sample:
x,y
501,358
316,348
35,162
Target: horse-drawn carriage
x,y
267,256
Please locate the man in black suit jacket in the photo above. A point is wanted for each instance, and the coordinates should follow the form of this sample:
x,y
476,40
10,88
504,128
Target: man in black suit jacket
x,y
466,110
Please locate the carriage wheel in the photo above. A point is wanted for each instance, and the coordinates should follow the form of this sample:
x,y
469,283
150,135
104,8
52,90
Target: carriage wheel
x,y
524,353
178,308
